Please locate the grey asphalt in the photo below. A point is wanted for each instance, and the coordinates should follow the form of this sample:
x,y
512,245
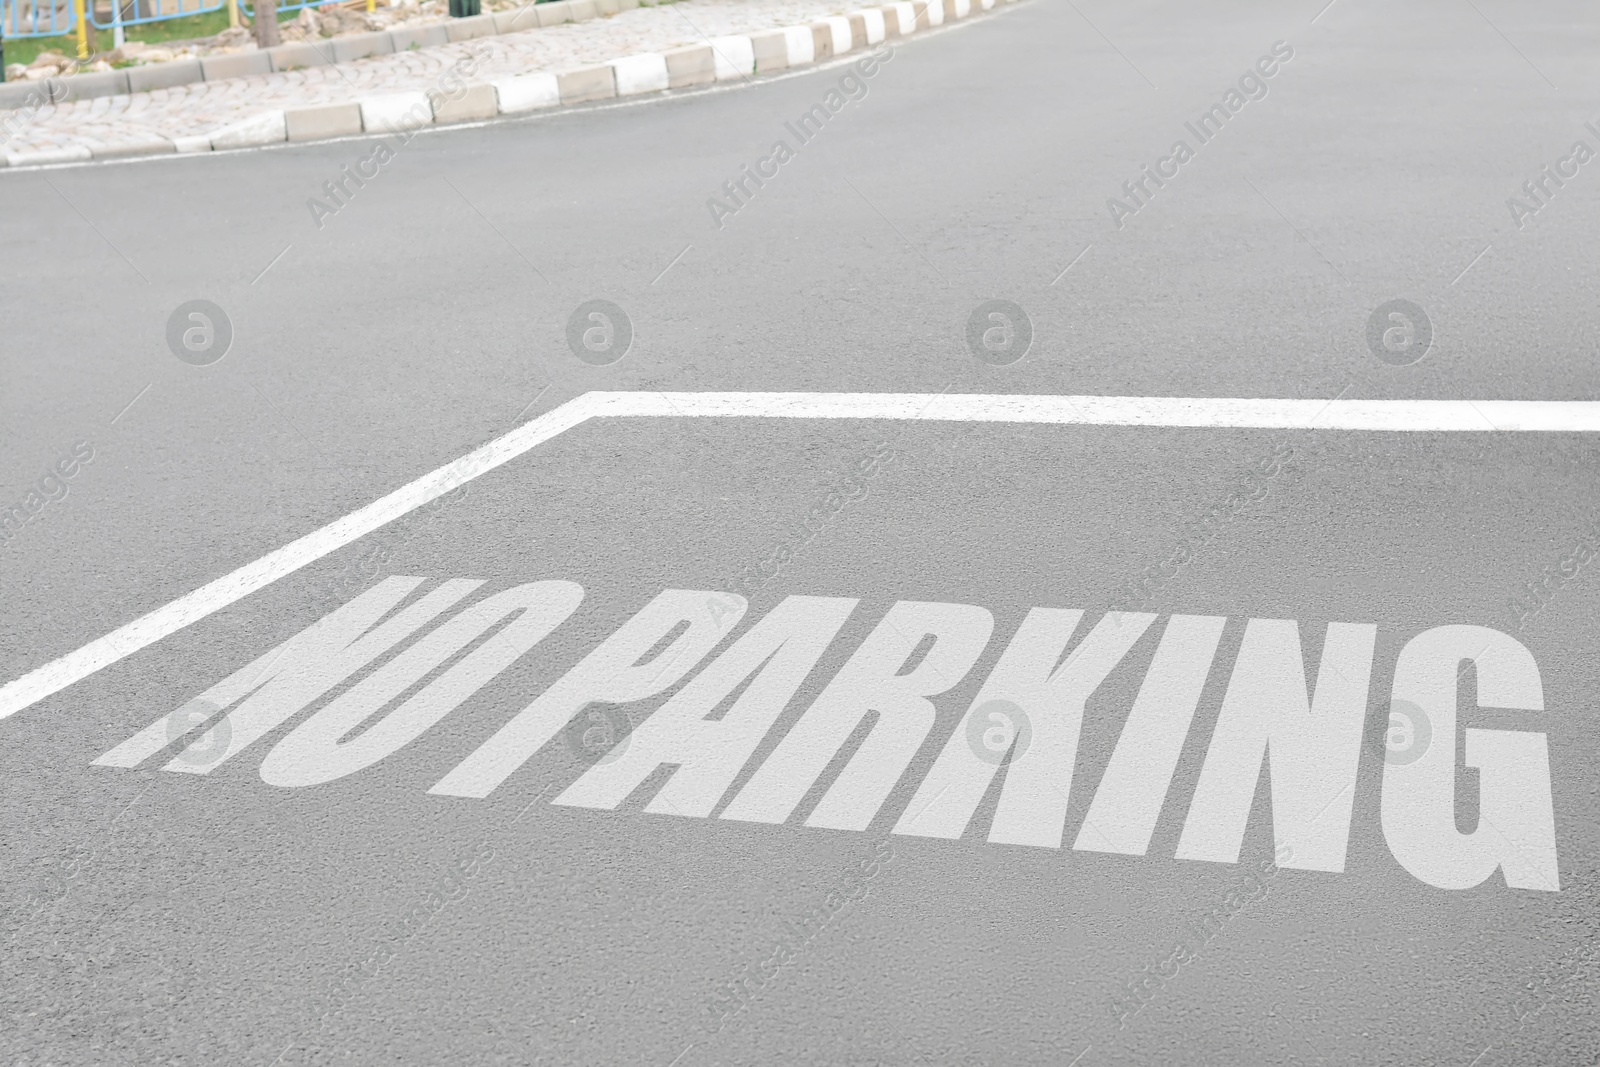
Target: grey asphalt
x,y
156,917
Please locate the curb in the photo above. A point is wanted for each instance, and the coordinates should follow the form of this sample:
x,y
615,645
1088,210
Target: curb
x,y
322,53
719,59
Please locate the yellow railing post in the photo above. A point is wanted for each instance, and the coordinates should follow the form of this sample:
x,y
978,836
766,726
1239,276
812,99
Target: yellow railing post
x,y
233,14
83,28
372,5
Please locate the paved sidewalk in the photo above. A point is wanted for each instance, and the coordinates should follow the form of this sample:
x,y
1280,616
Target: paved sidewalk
x,y
132,123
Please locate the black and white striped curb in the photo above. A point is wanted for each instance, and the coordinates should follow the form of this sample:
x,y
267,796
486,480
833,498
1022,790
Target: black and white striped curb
x,y
299,54
715,60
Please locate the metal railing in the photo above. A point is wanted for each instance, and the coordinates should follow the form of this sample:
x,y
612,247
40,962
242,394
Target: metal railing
x,y
59,18
37,18
287,5
138,12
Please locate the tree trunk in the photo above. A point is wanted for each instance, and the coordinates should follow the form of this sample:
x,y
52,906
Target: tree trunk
x,y
267,23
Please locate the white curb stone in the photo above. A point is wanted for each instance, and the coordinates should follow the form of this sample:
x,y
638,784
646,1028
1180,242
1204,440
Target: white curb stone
x,y
735,57
527,92
146,144
799,42
874,20
643,73
839,27
396,111
720,58
269,127
74,154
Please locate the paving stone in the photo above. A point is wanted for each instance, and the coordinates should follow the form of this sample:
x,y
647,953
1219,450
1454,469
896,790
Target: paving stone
x,y
587,83
899,19
693,65
821,41
468,28
361,45
520,68
73,154
269,127
476,103
735,57
642,73
300,54
146,146
527,92
839,28
419,36
330,120
771,49
395,111
164,75
236,65
554,14
100,83
516,20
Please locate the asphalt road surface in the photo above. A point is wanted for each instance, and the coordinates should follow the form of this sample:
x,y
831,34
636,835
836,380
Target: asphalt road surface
x,y
905,734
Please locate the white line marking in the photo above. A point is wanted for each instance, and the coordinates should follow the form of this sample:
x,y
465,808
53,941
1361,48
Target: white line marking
x,y
148,629
1438,416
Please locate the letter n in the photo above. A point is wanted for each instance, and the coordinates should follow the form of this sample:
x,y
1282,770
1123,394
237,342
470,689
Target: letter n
x,y
1312,746
289,678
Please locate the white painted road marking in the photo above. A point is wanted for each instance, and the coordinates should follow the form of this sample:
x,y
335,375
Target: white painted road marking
x,y
1433,416
1305,737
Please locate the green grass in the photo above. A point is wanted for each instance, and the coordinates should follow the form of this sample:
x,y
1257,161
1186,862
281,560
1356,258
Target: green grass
x,y
26,49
